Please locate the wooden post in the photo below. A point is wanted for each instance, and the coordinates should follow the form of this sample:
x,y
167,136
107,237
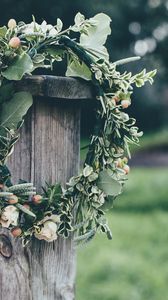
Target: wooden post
x,y
48,150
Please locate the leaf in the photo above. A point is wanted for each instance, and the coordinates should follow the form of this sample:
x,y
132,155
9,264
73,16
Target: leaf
x,y
78,69
108,204
6,92
92,177
14,110
97,34
20,66
87,171
59,25
79,18
108,185
25,210
3,31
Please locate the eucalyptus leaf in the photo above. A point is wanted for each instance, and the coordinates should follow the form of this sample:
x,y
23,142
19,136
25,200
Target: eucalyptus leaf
x,y
108,185
14,110
20,66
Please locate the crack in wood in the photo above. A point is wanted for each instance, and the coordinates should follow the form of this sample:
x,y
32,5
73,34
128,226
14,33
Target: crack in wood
x,y
5,246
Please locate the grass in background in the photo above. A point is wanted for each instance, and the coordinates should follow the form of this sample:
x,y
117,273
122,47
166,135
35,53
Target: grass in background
x,y
134,265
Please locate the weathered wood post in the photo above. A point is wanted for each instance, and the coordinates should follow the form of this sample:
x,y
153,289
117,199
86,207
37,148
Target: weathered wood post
x,y
48,150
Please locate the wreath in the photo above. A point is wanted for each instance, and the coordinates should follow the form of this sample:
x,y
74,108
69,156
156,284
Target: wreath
x,y
81,207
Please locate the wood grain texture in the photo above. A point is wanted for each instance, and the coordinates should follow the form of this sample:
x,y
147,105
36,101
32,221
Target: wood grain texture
x,y
56,87
48,150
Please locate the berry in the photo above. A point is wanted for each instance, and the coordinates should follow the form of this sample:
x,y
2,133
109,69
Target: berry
x,y
27,206
11,23
16,231
126,169
1,186
125,103
37,199
14,42
13,199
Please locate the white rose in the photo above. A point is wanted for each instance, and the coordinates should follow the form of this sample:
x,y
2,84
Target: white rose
x,y
9,216
47,232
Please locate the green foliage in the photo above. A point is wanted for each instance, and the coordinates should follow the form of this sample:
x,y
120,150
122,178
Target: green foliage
x,y
20,66
108,185
105,167
14,110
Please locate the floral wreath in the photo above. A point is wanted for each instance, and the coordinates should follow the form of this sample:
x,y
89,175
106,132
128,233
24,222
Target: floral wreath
x,y
81,207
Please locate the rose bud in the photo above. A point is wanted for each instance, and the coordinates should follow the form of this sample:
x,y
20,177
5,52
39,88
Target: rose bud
x,y
11,23
14,42
37,199
16,231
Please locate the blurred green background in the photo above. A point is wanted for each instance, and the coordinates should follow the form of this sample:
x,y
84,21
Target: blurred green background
x,y
134,265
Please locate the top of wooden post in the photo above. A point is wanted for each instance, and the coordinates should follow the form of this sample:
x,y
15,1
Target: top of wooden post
x,y
56,87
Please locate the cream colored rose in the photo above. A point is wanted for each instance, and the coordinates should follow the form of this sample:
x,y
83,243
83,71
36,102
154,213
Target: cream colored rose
x,y
47,232
9,216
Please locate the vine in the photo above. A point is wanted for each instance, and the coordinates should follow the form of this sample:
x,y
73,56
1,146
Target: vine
x,y
81,207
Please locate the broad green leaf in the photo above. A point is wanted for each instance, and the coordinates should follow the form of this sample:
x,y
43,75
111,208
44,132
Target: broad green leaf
x,y
97,34
6,92
14,110
20,66
78,69
108,185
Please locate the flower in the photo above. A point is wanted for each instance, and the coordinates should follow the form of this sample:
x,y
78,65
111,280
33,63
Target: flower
x,y
9,216
47,232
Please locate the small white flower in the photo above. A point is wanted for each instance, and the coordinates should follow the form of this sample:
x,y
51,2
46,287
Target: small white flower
x,y
9,216
31,28
47,232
